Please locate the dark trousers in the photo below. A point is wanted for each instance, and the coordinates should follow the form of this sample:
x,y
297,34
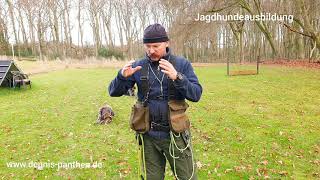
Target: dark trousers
x,y
156,153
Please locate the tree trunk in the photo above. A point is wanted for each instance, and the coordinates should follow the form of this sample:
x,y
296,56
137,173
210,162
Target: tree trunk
x,y
10,6
23,30
80,33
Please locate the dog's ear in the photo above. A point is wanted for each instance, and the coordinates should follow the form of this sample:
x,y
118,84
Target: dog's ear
x,y
103,117
101,111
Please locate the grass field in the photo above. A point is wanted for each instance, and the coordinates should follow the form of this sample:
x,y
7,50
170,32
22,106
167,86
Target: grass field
x,y
244,126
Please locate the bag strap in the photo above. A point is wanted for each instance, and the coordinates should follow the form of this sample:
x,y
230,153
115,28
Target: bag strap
x,y
171,93
144,78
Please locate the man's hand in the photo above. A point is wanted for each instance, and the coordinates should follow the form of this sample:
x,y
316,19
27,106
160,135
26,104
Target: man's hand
x,y
168,69
127,70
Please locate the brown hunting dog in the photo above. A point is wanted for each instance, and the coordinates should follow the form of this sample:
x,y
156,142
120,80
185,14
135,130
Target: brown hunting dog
x,y
105,115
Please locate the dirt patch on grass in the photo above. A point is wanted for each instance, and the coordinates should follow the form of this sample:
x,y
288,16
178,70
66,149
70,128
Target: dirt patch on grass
x,y
37,67
293,63
208,64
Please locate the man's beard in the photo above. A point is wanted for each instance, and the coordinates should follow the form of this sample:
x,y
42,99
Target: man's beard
x,y
154,58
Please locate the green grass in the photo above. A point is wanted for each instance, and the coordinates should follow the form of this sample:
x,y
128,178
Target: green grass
x,y
243,127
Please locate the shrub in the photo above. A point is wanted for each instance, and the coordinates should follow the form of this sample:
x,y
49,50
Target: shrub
x,y
108,53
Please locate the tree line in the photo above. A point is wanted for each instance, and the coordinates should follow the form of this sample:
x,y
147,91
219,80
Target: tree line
x,y
58,28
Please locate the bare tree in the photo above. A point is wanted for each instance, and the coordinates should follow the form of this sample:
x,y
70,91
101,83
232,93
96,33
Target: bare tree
x,y
106,18
81,6
94,12
3,32
21,23
12,18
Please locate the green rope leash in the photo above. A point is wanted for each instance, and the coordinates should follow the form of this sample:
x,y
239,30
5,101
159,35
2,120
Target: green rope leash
x,y
171,148
141,153
139,158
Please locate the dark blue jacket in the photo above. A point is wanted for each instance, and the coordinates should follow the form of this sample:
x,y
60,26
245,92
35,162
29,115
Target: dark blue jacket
x,y
188,88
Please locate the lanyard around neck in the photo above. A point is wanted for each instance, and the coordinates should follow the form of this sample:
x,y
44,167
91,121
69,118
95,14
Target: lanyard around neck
x,y
160,81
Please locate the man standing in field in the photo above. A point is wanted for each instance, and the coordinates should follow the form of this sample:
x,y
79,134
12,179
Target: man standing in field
x,y
159,117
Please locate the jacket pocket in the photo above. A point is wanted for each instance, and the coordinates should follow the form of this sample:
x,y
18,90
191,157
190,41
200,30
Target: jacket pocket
x,y
139,119
179,120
